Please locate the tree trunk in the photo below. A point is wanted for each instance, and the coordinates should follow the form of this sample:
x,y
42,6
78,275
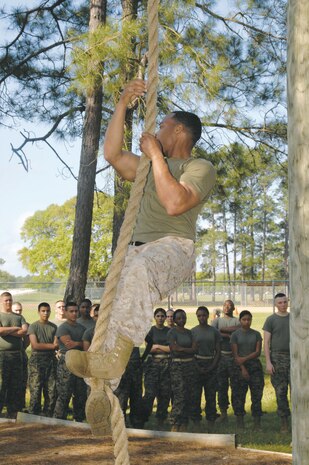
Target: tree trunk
x,y
226,248
298,137
75,289
121,190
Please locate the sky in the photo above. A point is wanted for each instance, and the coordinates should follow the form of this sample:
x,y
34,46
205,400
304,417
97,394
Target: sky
x,y
24,192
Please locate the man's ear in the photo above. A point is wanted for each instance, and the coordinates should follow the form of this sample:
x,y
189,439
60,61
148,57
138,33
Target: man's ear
x,y
179,128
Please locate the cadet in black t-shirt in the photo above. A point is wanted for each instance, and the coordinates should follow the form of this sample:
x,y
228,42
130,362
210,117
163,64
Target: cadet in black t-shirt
x,y
43,362
157,382
69,336
246,346
183,371
208,340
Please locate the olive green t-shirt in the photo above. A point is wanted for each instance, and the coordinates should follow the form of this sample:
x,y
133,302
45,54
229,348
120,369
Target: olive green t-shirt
x,y
158,335
279,328
153,222
207,339
75,332
88,323
246,341
225,322
183,339
88,334
44,332
8,320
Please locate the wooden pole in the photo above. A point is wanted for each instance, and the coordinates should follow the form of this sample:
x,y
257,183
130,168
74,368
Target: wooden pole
x,y
298,141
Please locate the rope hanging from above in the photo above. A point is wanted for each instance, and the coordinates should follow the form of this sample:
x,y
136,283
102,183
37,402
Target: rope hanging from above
x,y
99,388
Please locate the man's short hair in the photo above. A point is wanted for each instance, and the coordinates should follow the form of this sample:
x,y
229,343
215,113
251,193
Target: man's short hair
x,y
280,294
191,121
43,304
6,294
70,304
244,313
202,308
86,301
159,310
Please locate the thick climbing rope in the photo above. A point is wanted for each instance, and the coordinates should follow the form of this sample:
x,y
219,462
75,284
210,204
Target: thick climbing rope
x,y
117,419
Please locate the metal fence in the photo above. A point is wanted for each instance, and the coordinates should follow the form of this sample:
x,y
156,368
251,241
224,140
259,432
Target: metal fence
x,y
251,294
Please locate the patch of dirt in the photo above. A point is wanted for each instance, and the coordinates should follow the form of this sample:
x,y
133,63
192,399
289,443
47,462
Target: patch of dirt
x,y
33,444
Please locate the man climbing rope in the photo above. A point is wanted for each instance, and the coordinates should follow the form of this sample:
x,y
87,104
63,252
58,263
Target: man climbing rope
x,y
161,254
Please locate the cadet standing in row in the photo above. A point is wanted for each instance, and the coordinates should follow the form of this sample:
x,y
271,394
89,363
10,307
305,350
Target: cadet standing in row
x,y
183,371
17,308
157,382
226,325
12,330
207,357
43,363
277,353
246,346
69,336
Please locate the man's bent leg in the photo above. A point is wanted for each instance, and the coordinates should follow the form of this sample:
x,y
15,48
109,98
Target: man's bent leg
x,y
151,271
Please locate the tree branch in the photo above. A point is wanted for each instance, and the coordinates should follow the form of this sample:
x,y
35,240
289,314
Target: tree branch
x,y
236,21
19,151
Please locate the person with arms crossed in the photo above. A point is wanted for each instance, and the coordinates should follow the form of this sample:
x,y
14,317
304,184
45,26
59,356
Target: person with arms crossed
x,y
246,346
69,336
208,353
13,328
226,324
43,363
17,308
277,354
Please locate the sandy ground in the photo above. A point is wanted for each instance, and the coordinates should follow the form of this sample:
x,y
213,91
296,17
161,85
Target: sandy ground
x,y
36,444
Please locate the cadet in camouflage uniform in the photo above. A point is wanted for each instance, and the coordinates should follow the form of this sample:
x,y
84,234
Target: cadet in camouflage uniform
x,y
226,324
43,363
69,336
157,382
183,371
277,353
12,330
208,354
18,309
89,333
130,390
246,346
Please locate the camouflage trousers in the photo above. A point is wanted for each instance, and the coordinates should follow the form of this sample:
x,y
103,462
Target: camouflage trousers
x,y
69,385
208,382
11,381
151,271
183,379
130,391
281,381
25,377
240,388
42,380
225,372
157,384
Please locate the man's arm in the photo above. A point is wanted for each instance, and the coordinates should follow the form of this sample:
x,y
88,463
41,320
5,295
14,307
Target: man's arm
x,y
229,329
21,332
125,163
69,343
269,366
42,345
176,197
12,331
